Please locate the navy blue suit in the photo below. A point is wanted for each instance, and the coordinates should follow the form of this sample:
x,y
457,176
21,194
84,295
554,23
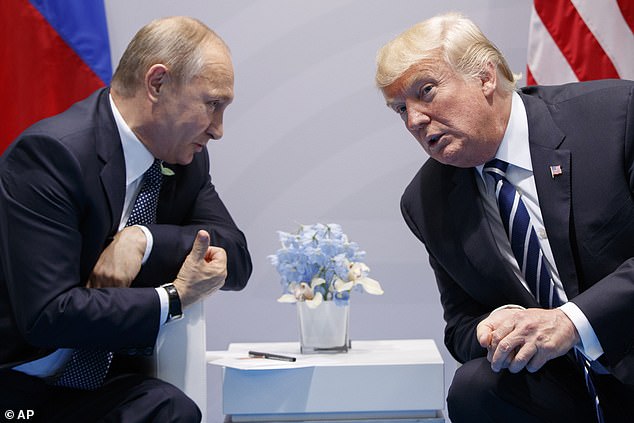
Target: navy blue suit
x,y
62,188
588,211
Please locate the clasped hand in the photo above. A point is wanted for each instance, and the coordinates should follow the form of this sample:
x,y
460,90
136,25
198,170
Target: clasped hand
x,y
120,262
202,273
525,339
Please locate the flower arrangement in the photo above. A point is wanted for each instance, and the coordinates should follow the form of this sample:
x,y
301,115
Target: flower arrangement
x,y
318,263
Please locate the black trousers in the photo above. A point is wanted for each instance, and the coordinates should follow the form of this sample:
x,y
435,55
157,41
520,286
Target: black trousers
x,y
124,398
556,393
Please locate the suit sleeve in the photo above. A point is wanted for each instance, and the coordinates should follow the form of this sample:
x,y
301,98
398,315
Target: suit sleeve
x,y
194,204
609,302
42,204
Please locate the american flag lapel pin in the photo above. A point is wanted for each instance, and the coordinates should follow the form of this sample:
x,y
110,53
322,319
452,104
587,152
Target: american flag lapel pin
x,y
555,170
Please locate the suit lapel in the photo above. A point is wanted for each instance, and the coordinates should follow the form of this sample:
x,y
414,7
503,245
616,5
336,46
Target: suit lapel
x,y
480,248
554,191
110,151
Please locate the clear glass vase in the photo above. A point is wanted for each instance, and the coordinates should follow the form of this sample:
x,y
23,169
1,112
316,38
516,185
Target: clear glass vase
x,y
323,329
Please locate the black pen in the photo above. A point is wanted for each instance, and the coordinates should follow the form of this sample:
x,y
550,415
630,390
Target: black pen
x,y
271,356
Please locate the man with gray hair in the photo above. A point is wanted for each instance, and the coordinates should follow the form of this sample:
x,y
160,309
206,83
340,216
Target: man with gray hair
x,y
526,208
110,228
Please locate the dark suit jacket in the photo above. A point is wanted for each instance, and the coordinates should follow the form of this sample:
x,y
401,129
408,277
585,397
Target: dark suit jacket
x,y
62,188
588,212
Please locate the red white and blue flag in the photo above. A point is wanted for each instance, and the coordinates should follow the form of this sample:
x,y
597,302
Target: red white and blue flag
x,y
580,40
53,53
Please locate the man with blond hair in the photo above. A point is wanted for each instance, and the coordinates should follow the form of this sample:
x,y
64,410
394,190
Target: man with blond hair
x,y
110,228
526,208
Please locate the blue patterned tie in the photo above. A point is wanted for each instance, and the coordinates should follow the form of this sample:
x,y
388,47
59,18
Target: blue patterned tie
x,y
144,210
87,369
529,255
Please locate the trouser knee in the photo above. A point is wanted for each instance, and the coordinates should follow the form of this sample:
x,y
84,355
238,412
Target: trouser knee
x,y
470,394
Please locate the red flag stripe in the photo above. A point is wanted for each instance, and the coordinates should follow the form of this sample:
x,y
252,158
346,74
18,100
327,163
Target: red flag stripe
x,y
575,40
530,80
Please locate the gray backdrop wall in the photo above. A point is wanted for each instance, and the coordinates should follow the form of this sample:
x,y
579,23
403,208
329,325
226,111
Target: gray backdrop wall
x,y
308,139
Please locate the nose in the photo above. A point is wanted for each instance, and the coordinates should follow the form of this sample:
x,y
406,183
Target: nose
x,y
215,129
416,116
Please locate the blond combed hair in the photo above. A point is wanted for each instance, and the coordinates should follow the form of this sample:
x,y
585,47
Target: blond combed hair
x,y
177,42
449,36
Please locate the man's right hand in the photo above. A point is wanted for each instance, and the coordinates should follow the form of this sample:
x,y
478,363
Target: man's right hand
x,y
120,262
203,272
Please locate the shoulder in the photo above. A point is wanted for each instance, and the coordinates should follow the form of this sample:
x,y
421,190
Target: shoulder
x,y
580,92
83,116
586,109
82,137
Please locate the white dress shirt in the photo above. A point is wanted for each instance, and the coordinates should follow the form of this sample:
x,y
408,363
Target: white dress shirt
x,y
137,160
515,150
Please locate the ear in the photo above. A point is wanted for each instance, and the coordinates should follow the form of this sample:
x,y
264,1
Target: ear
x,y
155,78
489,79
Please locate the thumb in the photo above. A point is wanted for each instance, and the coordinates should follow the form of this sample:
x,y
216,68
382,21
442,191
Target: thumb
x,y
201,243
484,334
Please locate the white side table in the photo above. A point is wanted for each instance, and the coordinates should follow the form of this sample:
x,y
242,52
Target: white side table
x,y
376,381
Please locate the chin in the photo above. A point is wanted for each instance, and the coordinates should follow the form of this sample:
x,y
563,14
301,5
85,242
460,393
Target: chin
x,y
186,160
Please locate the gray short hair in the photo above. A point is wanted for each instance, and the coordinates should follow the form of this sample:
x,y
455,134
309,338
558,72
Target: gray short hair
x,y
450,36
177,42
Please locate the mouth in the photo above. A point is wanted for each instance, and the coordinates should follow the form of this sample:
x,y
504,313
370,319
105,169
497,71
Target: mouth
x,y
433,140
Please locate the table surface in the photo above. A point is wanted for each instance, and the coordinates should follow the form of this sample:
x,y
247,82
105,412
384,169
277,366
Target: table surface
x,y
361,353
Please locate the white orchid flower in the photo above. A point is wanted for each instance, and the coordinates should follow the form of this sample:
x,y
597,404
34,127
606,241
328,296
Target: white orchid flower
x,y
287,298
304,292
316,282
341,285
370,285
317,299
357,271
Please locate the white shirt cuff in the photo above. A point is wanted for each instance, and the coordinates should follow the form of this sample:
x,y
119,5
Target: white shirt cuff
x,y
590,345
149,242
165,304
507,306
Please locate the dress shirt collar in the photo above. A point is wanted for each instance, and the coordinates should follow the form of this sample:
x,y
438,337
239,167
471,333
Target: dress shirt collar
x,y
514,147
137,157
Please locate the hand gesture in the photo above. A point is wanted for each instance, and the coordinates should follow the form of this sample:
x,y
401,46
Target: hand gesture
x,y
525,339
203,272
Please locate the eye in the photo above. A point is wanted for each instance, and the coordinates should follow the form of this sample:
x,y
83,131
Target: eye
x,y
426,90
400,109
213,104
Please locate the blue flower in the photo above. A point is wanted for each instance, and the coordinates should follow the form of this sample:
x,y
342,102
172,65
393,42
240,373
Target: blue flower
x,y
318,263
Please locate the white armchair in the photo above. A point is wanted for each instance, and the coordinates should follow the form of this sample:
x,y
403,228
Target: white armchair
x,y
180,355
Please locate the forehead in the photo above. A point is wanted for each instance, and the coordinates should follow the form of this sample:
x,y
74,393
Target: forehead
x,y
217,72
427,70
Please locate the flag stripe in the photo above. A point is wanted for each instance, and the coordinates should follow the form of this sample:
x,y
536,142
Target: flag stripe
x,y
530,80
611,31
82,24
575,40
546,63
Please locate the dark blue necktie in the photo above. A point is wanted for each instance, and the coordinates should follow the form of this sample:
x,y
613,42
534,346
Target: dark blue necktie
x,y
529,255
144,210
87,369
521,233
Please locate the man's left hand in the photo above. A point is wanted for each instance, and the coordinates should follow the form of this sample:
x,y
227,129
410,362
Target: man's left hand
x,y
526,339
